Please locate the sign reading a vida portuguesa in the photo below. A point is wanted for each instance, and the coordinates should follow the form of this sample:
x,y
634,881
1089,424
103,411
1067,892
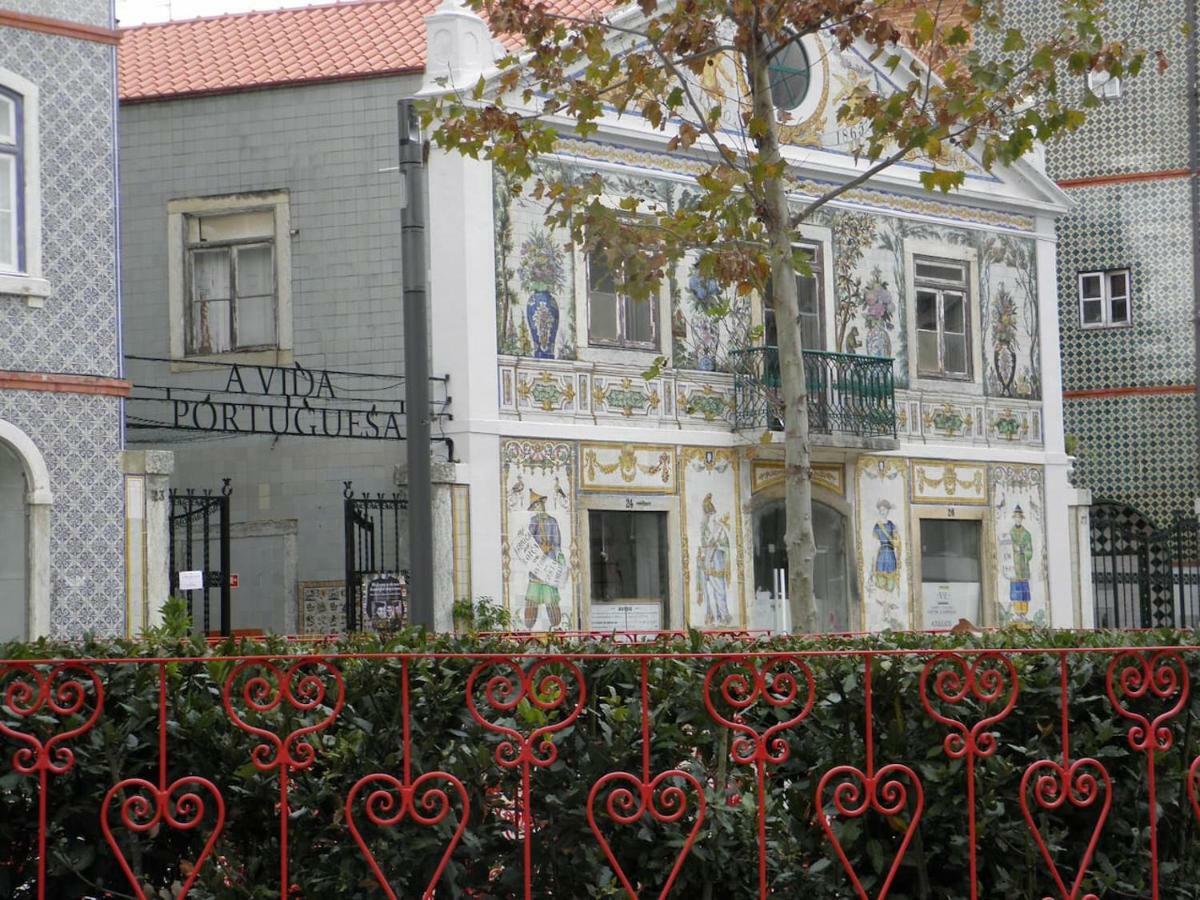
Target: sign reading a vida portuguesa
x,y
231,398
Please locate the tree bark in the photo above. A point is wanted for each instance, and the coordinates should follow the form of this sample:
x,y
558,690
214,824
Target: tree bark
x,y
801,546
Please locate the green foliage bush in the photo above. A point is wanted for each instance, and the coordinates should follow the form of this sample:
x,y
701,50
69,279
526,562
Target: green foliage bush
x,y
568,862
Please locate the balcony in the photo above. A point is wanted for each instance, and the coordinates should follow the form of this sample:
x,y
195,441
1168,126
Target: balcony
x,y
848,395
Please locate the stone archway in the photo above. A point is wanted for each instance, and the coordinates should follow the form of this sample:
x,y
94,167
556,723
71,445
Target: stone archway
x,y
38,500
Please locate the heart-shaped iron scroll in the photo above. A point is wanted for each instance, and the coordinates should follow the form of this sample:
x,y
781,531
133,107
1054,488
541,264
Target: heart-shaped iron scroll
x,y
630,800
855,794
546,684
988,679
57,695
180,806
777,684
272,688
1137,676
425,802
1079,785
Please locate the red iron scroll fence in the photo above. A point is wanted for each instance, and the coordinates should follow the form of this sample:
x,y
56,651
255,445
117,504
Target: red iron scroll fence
x,y
520,706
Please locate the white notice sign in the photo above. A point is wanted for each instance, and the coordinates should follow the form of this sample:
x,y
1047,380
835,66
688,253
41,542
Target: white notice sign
x,y
627,616
947,602
191,581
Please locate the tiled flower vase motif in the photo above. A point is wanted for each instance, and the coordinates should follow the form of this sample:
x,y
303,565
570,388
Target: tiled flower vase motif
x,y
541,313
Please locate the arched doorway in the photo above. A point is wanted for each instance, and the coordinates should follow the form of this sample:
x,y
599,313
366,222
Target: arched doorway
x,y
25,543
14,554
831,571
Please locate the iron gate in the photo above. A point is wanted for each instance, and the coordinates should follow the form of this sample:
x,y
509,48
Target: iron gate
x,y
376,586
1142,576
194,518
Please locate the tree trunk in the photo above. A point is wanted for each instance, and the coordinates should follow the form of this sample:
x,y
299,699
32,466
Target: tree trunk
x,y
801,547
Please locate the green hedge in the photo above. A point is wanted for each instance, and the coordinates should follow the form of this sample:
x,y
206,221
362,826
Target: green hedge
x,y
568,863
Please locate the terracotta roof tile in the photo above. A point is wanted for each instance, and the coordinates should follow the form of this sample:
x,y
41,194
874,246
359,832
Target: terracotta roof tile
x,y
220,54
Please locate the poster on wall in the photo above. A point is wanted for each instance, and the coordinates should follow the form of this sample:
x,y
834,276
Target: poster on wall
x,y
384,601
945,603
712,540
537,546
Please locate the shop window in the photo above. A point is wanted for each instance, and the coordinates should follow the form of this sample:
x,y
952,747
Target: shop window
x,y
951,571
943,319
1104,299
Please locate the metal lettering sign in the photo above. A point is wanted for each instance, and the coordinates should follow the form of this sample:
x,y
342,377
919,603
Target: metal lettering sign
x,y
231,398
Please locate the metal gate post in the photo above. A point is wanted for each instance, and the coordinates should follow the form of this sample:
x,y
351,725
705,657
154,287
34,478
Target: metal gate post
x,y
226,565
348,519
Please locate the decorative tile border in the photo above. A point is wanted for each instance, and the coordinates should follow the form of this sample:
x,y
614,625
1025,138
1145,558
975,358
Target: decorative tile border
x,y
940,481
766,472
627,468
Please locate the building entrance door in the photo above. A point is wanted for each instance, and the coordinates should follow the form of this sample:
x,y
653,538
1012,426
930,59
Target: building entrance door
x,y
951,572
630,580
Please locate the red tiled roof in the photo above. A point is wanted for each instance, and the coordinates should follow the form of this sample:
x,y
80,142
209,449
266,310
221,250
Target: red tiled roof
x,y
357,39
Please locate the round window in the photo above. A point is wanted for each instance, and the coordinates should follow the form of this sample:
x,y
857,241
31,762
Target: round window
x,y
790,75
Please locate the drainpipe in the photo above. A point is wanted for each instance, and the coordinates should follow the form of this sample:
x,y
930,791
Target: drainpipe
x,y
1194,178
416,368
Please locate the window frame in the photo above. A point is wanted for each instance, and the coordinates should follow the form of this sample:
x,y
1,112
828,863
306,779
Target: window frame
x,y
16,152
942,287
622,342
1106,298
26,280
232,248
1106,90
817,251
180,275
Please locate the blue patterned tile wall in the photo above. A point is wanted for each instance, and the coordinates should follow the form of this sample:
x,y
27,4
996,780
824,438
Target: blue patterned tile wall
x,y
77,437
89,12
1146,226
1137,449
1145,130
76,331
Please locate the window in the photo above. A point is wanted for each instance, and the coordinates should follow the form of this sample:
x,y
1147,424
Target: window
x,y
831,567
1103,85
11,183
615,320
943,329
1104,299
231,260
230,287
790,73
809,295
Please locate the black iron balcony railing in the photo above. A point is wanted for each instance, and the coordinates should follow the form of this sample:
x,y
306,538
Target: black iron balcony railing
x,y
847,394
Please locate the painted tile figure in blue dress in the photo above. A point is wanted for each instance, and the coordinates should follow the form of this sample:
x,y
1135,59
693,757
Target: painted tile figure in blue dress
x,y
887,566
544,530
712,567
1022,554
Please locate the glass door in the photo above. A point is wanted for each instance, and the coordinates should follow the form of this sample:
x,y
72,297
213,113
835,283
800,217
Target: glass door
x,y
630,579
951,572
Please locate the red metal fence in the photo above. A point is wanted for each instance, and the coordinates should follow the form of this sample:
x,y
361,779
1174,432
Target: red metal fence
x,y
521,706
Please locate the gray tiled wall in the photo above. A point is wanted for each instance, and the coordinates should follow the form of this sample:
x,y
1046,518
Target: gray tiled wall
x,y
325,144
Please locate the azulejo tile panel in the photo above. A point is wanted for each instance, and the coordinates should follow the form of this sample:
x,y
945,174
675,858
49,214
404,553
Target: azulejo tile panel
x,y
79,438
627,468
767,472
712,542
882,542
938,481
1020,559
538,547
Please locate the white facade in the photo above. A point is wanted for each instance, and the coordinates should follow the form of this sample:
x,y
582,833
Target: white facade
x,y
665,511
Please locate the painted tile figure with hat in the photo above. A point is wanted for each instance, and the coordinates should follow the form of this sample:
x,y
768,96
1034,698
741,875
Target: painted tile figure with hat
x,y
543,583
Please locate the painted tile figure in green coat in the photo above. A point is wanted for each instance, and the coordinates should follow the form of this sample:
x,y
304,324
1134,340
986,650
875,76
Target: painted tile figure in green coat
x,y
544,530
1022,553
